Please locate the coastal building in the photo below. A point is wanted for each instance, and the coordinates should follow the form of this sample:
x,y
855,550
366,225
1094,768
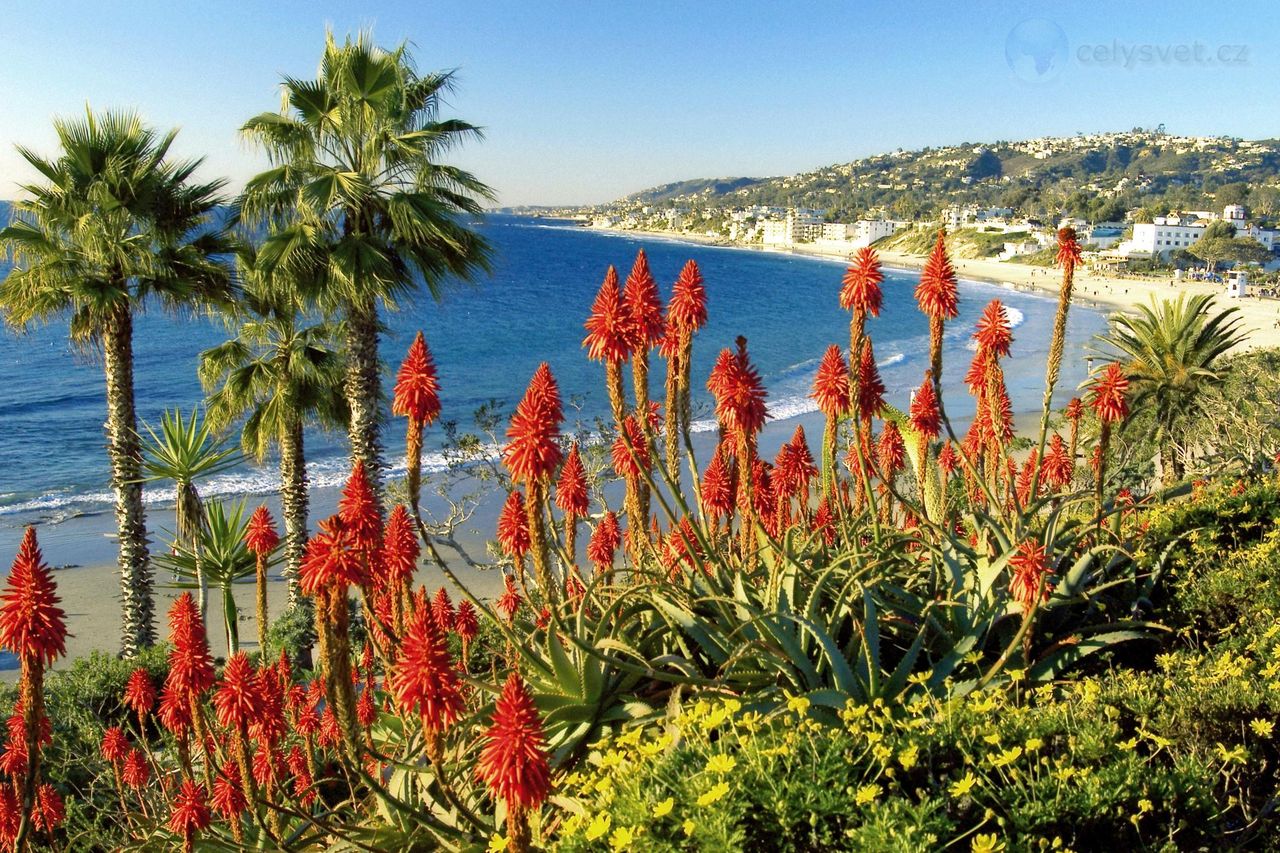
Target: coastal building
x,y
1167,234
799,226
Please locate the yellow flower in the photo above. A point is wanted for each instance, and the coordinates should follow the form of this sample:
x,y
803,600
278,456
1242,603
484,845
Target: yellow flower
x,y
1145,806
798,705
986,844
688,827
1007,757
1128,745
599,826
611,759
1262,728
867,794
622,838
993,738
964,786
721,764
497,843
717,791
664,808
881,753
1237,753
908,757
1016,675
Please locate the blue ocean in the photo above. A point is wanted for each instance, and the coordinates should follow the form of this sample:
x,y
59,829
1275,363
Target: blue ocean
x,y
488,338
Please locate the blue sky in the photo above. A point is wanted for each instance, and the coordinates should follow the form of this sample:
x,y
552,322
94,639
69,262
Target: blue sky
x,y
583,102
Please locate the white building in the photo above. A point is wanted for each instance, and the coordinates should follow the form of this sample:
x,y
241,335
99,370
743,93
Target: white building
x,y
799,226
1178,231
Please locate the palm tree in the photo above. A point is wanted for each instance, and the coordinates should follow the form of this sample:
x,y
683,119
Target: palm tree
x,y
278,374
220,555
1170,353
356,189
184,451
116,226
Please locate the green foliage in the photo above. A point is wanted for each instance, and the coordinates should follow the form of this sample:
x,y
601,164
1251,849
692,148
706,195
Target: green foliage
x,y
293,631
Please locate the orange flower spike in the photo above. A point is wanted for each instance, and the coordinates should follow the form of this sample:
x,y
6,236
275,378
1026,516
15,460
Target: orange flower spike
x,y
359,510
630,462
993,333
1068,247
237,697
609,326
571,487
400,548
687,311
423,679
643,304
1108,398
533,452
861,284
604,543
870,388
260,536
739,393
831,384
925,417
140,693
332,560
937,292
891,450
513,761
417,390
513,527
32,625
1027,568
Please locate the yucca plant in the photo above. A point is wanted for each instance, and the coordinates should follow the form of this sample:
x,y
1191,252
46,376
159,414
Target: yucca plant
x,y
183,451
219,558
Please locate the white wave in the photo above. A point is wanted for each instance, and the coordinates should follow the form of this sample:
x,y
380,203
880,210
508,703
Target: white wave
x,y
896,358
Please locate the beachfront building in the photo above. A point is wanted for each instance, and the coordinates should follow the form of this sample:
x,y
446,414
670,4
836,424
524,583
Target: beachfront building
x,y
1167,234
799,226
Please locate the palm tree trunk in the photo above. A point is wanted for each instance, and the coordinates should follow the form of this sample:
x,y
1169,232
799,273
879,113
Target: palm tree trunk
x,y
364,390
137,629
294,502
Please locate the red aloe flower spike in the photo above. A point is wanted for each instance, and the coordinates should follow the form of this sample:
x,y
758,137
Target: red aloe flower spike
x,y
1108,397
190,814
739,393
717,485
513,761
237,698
115,746
571,488
465,621
603,547
513,527
332,560
228,800
534,452
417,391
1059,467
32,625
1074,410
49,811
925,417
861,284
891,450
937,292
136,772
1068,247
870,388
643,303
190,663
609,326
360,511
400,550
508,604
993,333
1027,568
687,311
831,384
947,459
260,536
630,455
442,610
423,679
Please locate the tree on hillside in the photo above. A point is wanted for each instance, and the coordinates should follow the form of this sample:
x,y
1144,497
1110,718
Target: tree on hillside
x,y
357,187
115,226
1171,352
1218,243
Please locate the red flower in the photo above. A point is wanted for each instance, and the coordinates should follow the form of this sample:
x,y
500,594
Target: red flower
x,y
926,419
174,712
417,393
359,510
260,536
1074,410
831,384
936,293
738,391
366,710
824,522
571,488
442,610
1109,395
190,814
630,456
861,290
32,625
870,388
332,559
947,459
534,452
993,333
604,542
891,450
514,761
794,466
236,699
49,812
228,798
609,326
513,527
718,492
400,548
10,814
1059,467
190,664
465,621
1068,247
114,745
687,311
508,604
643,304
1027,568
268,723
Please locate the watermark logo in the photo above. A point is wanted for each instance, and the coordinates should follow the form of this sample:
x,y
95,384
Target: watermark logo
x,y
1036,50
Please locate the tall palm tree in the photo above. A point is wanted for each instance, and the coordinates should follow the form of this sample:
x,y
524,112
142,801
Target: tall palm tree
x,y
356,187
1170,353
115,226
278,373
184,451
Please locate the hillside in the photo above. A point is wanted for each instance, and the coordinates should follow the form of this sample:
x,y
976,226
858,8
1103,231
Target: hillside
x,y
1097,176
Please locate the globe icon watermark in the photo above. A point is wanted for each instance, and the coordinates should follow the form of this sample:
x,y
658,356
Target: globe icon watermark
x,y
1036,50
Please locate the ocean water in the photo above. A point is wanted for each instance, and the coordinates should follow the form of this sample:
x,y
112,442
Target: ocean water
x,y
488,338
